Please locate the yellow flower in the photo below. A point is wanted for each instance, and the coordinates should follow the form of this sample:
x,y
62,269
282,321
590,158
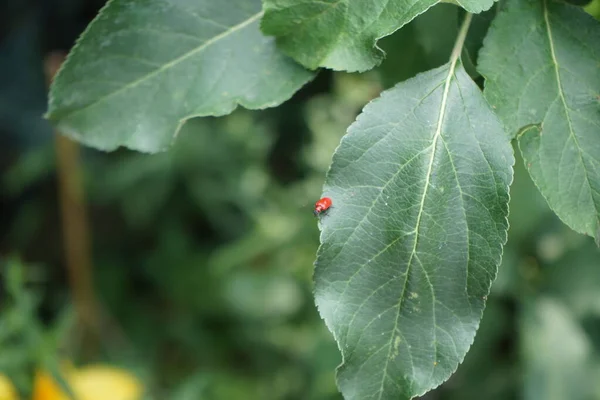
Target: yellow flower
x,y
7,390
90,383
104,382
44,388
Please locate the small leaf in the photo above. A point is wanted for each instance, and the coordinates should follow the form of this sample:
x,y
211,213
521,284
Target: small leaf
x,y
414,237
342,34
142,68
541,61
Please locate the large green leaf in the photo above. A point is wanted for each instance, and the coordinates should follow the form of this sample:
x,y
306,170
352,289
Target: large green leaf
x,y
542,64
342,34
415,234
142,68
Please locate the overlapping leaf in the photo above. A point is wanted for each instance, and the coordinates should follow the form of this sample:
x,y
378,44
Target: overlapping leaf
x,y
542,64
342,34
143,68
415,234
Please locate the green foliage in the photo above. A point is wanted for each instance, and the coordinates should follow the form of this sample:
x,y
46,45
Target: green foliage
x,y
552,80
403,317
24,344
141,70
203,252
342,34
222,249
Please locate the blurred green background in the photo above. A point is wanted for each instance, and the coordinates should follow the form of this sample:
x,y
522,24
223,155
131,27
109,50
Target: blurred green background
x,y
201,257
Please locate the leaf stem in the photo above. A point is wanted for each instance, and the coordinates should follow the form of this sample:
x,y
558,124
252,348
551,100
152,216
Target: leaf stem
x,y
460,40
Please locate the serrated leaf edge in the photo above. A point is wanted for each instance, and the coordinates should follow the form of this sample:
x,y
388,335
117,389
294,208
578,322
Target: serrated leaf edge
x,y
455,57
162,68
75,134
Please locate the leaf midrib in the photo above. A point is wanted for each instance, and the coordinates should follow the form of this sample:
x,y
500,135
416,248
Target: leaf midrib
x,y
170,64
436,137
454,57
564,102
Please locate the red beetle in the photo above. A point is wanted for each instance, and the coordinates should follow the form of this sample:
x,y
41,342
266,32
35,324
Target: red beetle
x,y
322,205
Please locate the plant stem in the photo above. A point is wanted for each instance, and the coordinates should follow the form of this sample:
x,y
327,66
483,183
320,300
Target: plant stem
x,y
75,225
456,51
460,40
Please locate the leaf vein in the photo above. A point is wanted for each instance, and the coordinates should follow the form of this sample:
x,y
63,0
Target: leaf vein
x,y
171,63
